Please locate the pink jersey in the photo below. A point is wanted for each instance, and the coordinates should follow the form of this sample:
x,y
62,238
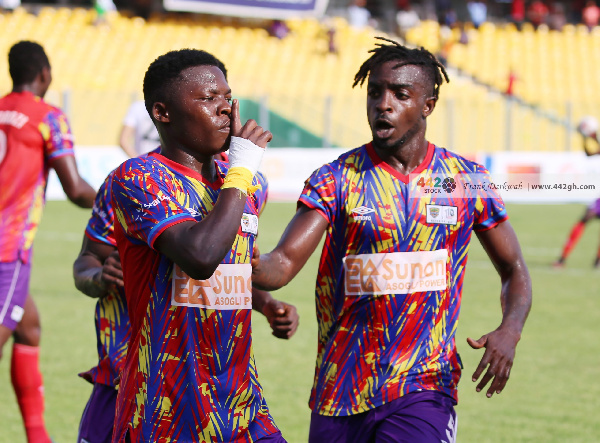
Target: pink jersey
x,y
33,134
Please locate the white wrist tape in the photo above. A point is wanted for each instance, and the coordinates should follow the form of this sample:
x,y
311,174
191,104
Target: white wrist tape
x,y
243,153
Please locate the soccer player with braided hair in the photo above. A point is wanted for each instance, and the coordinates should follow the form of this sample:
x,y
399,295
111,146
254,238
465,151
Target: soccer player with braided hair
x,y
390,277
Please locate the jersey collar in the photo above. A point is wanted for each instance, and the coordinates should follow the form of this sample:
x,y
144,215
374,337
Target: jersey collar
x,y
189,172
404,178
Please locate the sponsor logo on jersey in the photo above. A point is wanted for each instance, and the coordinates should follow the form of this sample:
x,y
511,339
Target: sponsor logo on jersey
x,y
156,201
395,272
361,212
229,288
442,215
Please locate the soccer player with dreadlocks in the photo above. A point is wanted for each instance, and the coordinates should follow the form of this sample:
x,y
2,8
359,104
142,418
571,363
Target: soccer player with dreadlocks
x,y
390,277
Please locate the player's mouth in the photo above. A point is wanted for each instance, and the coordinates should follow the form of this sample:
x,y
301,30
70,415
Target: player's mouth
x,y
226,127
383,128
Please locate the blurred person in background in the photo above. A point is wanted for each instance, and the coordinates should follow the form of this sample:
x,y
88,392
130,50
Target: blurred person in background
x,y
557,18
517,12
138,134
590,15
537,13
359,16
477,12
387,363
34,137
591,212
406,19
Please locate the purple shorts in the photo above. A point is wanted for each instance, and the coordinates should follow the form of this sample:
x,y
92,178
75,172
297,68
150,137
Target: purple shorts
x,y
14,287
98,419
424,417
595,206
273,438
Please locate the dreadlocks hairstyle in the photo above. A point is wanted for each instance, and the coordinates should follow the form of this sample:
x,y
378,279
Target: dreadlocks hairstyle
x,y
405,56
25,61
163,71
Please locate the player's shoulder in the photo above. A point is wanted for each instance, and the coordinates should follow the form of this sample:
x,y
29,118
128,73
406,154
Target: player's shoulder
x,y
347,159
452,160
135,166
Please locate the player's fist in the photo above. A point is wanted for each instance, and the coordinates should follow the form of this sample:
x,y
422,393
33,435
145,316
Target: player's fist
x,y
282,317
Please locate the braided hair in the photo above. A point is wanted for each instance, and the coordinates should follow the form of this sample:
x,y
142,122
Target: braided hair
x,y
405,56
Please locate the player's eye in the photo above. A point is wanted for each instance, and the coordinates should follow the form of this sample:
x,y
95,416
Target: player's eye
x,y
373,93
229,100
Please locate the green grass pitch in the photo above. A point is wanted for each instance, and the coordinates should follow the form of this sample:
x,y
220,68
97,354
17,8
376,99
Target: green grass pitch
x,y
553,394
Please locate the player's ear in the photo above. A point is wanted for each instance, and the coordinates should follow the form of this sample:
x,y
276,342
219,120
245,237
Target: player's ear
x,y
160,112
429,106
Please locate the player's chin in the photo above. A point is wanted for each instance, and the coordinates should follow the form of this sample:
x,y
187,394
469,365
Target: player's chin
x,y
386,144
224,143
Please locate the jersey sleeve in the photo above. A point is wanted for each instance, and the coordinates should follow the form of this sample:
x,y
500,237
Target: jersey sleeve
x,y
489,206
262,193
144,204
319,192
58,139
100,227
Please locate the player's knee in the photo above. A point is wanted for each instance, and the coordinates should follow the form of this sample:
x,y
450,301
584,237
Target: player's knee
x,y
28,334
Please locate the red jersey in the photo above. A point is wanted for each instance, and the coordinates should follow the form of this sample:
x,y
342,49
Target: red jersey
x,y
33,134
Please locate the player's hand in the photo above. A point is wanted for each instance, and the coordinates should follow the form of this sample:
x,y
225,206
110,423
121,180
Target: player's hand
x,y
112,273
282,317
250,131
500,346
255,261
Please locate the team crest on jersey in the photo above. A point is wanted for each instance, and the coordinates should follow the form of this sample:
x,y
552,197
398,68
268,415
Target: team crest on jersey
x,y
442,215
361,213
250,223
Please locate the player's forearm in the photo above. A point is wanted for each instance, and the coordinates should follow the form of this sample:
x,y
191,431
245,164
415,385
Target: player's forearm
x,y
127,147
273,272
83,195
259,299
89,280
516,298
197,248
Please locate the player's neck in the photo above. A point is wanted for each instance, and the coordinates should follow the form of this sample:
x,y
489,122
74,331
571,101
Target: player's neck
x,y
405,158
26,88
202,164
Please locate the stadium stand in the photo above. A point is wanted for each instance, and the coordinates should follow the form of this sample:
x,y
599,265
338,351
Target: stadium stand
x,y
98,71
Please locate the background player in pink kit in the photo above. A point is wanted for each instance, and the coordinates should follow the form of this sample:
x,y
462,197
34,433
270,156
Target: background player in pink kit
x,y
34,137
97,272
185,232
387,365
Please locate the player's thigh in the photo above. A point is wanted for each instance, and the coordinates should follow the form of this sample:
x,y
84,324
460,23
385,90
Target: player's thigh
x,y
429,417
28,331
14,287
358,428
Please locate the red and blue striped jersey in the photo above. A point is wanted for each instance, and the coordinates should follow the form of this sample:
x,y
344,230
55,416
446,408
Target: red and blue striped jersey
x,y
390,277
190,374
111,318
33,134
